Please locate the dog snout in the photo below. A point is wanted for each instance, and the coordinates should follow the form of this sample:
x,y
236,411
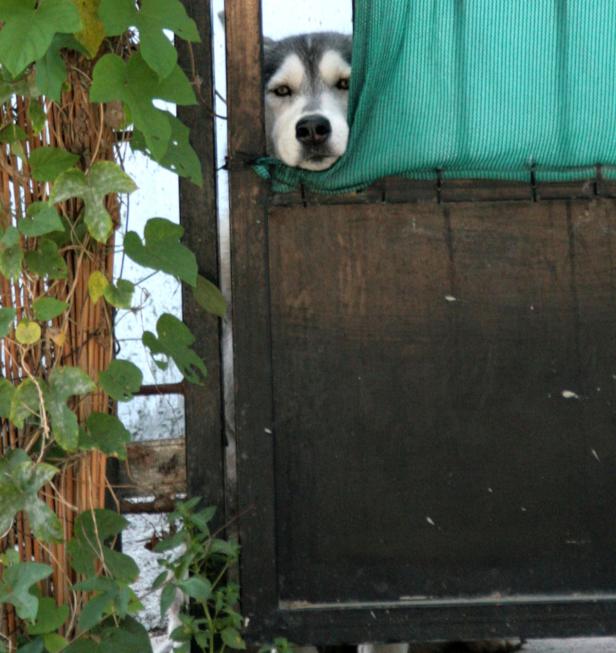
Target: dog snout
x,y
313,130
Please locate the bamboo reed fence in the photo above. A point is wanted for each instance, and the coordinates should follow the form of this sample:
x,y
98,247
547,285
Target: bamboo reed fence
x,y
83,338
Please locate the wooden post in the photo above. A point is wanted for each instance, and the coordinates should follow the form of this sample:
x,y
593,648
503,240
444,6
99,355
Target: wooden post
x,y
251,331
204,404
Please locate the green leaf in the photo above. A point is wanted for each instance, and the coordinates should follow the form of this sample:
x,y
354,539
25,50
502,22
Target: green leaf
x,y
49,617
93,32
185,508
103,178
46,163
174,341
83,645
25,403
180,157
20,481
96,285
159,581
54,643
233,639
162,250
127,602
128,637
167,597
36,116
27,332
209,297
120,295
65,382
7,390
46,308
10,87
197,588
41,219
7,315
9,557
107,523
11,254
16,584
136,85
121,566
105,433
96,584
44,522
170,542
117,15
33,646
46,261
91,528
153,17
280,645
12,134
64,423
28,31
121,380
94,611
51,70
228,548
201,519
82,556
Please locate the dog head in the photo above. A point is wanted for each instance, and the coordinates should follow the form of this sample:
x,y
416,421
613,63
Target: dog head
x,y
306,97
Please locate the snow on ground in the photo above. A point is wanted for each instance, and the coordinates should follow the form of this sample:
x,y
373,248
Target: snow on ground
x,y
134,539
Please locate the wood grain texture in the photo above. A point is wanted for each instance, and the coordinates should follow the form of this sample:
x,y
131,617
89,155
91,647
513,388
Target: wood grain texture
x,y
204,404
251,324
443,401
154,467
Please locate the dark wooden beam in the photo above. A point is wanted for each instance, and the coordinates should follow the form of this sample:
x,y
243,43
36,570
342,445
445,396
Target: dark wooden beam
x,y
204,404
251,320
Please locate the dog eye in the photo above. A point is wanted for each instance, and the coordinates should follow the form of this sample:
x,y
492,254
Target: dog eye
x,y
343,84
282,91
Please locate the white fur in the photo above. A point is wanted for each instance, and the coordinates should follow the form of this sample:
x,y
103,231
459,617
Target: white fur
x,y
283,113
333,67
291,73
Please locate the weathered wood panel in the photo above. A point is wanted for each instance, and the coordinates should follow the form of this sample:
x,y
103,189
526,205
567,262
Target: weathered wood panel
x,y
396,190
425,446
204,404
444,408
152,476
253,399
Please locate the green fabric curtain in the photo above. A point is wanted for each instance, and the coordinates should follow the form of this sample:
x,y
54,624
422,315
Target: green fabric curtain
x,y
476,89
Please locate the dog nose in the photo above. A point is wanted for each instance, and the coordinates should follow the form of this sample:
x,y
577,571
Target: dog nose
x,y
313,130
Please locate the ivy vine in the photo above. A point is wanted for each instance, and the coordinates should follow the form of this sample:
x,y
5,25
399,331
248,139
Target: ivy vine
x,y
61,215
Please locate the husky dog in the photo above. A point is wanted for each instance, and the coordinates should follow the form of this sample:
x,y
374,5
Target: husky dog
x,y
306,96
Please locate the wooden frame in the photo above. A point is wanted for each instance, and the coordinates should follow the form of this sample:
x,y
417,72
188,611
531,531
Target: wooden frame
x,y
331,622
204,404
253,397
